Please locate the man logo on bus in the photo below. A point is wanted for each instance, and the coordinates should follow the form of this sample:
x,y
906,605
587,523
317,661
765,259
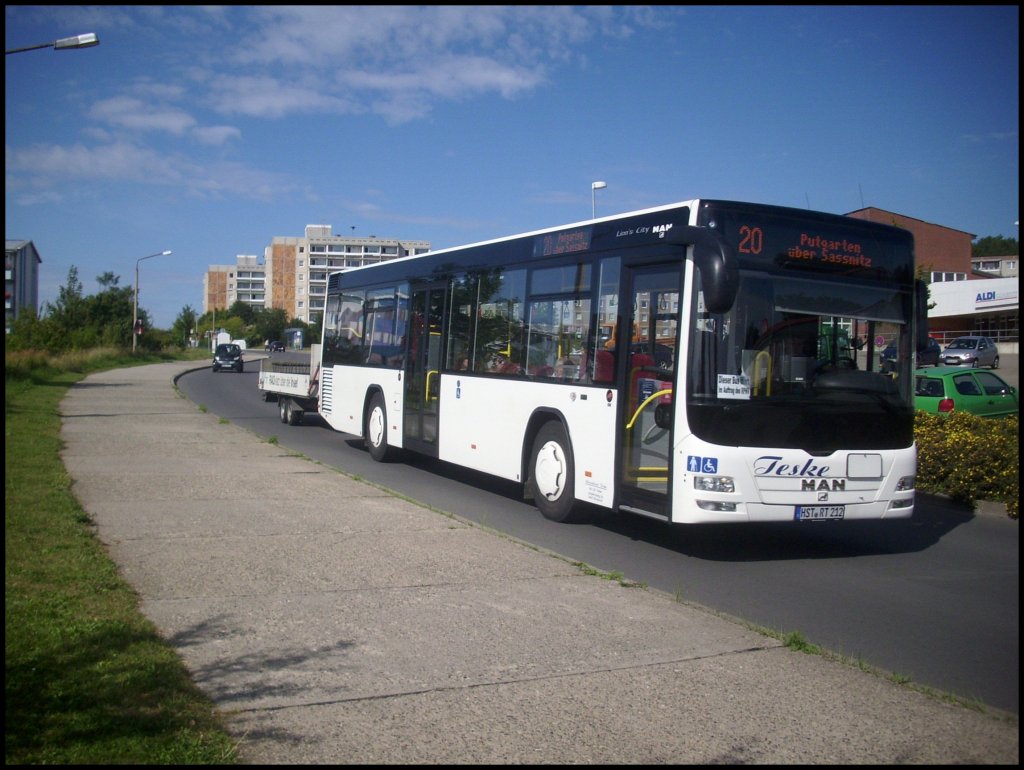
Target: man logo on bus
x,y
661,230
696,464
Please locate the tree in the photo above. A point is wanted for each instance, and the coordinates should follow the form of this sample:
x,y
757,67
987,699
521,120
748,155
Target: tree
x,y
995,246
242,310
68,311
29,332
109,312
270,324
184,325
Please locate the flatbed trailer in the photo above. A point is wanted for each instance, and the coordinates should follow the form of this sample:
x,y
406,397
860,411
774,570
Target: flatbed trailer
x,y
295,385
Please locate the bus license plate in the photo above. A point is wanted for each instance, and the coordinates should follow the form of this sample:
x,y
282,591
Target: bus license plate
x,y
819,512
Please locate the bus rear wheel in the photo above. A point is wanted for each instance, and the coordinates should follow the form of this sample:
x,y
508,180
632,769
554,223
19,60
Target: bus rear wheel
x,y
552,483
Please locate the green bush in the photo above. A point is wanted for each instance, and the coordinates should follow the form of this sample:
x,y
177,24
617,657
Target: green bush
x,y
969,458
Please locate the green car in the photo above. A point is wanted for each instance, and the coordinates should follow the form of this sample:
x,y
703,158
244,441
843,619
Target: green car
x,y
946,389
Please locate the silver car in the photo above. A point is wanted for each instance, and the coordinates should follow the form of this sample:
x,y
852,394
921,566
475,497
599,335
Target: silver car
x,y
971,351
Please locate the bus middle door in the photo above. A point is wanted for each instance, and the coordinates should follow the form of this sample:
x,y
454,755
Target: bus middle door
x,y
647,375
423,369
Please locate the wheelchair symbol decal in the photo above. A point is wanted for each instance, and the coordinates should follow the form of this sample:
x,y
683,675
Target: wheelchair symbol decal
x,y
696,464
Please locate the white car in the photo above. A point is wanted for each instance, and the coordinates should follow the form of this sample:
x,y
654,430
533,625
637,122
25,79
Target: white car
x,y
971,351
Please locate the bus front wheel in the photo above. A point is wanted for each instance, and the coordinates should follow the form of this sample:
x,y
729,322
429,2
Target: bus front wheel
x,y
376,432
552,482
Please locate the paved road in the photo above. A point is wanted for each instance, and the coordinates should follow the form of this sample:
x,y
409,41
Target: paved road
x,y
1009,368
333,622
933,598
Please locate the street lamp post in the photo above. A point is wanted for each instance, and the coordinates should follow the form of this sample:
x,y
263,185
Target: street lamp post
x,y
87,40
594,187
135,304
213,331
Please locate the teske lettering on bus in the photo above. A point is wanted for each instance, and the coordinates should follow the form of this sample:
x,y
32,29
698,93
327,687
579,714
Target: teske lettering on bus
x,y
769,465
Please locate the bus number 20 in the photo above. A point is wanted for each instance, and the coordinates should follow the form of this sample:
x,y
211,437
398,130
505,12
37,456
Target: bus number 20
x,y
751,239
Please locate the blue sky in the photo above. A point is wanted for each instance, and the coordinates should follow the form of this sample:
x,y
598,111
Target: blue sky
x,y
210,130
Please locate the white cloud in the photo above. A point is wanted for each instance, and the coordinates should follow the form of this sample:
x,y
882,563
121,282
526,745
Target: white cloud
x,y
131,113
398,60
269,97
216,135
51,165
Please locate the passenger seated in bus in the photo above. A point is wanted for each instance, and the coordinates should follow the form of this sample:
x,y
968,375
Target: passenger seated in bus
x,y
604,366
565,369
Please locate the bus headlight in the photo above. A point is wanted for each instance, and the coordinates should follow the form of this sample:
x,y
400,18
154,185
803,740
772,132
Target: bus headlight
x,y
715,505
905,483
714,483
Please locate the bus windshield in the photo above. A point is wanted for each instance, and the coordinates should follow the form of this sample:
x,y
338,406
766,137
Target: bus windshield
x,y
794,363
794,355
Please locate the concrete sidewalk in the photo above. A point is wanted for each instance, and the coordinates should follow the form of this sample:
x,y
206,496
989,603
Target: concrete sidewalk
x,y
335,623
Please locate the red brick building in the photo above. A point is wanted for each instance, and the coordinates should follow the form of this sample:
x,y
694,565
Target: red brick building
x,y
963,300
938,249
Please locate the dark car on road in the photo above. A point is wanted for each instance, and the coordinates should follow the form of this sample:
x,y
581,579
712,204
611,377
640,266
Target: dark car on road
x,y
275,347
927,356
950,388
228,355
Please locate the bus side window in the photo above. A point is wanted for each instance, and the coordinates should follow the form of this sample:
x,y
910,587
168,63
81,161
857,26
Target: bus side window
x,y
499,327
461,313
604,366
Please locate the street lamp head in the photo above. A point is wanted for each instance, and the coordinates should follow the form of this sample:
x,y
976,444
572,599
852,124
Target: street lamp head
x,y
150,256
87,40
594,187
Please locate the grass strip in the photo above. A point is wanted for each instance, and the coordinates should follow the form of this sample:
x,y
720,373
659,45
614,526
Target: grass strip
x,y
88,678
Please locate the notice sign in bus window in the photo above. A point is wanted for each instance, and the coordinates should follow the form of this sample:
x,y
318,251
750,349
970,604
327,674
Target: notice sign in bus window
x,y
563,242
733,386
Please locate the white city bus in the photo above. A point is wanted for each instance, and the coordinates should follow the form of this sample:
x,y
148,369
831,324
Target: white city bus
x,y
706,361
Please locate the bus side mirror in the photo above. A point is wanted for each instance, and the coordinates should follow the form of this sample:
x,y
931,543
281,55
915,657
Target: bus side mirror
x,y
719,272
663,416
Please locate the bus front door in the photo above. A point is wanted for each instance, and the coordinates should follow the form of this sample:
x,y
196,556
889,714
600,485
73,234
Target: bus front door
x,y
647,376
422,370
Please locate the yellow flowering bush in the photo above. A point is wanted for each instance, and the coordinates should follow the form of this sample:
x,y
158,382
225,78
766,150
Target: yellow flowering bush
x,y
969,458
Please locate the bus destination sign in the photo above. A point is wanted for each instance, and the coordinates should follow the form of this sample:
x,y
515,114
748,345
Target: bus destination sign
x,y
785,240
562,242
836,252
806,248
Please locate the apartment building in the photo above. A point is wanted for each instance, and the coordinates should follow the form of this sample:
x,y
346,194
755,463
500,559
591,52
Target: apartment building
x,y
246,280
996,267
21,280
292,275
297,268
